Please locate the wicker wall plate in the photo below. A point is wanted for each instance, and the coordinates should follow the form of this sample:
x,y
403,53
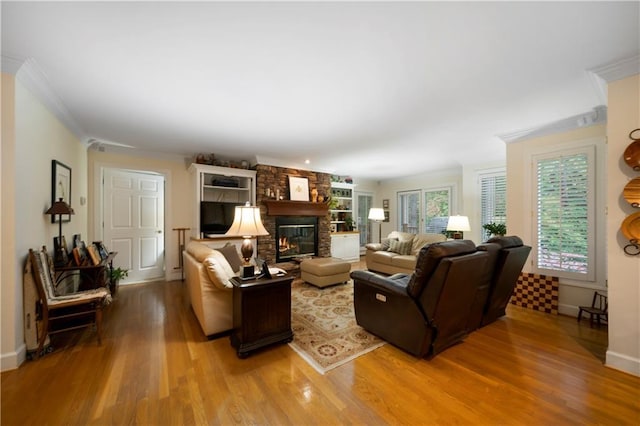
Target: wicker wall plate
x,y
632,155
631,192
631,227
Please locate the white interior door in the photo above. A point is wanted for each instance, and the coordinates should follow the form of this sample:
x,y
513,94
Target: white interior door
x,y
134,222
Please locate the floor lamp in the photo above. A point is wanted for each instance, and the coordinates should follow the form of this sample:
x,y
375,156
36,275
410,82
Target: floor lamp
x,y
376,214
247,224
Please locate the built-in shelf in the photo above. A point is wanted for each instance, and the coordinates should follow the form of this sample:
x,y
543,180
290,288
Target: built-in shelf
x,y
295,208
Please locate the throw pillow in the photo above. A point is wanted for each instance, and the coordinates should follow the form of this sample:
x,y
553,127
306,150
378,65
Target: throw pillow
x,y
400,247
386,243
218,270
230,252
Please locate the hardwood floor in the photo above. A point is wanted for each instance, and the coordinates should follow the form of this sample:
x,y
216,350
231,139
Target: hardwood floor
x,y
156,367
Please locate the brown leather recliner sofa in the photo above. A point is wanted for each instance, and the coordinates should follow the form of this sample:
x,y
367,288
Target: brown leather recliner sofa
x,y
455,288
511,255
427,311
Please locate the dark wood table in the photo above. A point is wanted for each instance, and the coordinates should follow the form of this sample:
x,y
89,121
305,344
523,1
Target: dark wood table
x,y
261,313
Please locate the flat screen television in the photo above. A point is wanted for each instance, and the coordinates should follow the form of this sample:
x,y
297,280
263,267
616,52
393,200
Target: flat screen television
x,y
216,217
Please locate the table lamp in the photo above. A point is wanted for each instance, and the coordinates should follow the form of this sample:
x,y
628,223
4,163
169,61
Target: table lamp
x,y
376,214
59,208
458,224
247,224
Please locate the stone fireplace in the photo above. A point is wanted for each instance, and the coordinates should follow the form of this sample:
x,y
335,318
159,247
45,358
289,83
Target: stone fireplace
x,y
276,180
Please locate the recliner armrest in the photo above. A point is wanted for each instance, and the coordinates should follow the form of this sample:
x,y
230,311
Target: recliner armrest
x,y
394,284
373,246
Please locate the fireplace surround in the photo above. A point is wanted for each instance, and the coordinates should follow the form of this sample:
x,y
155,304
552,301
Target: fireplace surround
x,y
296,236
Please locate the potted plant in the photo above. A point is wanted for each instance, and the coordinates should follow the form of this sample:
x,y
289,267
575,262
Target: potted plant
x,y
115,275
497,229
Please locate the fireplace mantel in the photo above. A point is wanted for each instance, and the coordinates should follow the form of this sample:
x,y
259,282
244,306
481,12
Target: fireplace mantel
x,y
295,208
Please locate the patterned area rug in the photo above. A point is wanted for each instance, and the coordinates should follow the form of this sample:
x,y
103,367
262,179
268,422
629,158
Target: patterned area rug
x,y
324,326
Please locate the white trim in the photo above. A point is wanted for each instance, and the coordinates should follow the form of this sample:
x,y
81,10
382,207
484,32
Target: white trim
x,y
623,363
597,116
617,70
11,64
13,360
31,76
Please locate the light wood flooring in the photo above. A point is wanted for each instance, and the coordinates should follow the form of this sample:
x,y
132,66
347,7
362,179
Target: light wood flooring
x,y
155,367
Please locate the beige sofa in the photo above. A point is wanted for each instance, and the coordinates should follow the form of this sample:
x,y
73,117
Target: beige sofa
x,y
207,275
398,252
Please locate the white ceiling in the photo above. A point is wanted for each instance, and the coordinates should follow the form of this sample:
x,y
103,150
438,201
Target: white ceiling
x,y
374,90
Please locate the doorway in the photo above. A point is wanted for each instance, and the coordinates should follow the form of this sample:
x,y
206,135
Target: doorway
x,y
133,221
364,202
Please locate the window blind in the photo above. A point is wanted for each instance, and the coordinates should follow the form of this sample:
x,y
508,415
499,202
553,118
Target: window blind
x,y
563,213
493,200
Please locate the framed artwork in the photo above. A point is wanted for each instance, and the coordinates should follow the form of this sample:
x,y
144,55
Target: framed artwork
x,y
298,188
385,204
386,216
60,187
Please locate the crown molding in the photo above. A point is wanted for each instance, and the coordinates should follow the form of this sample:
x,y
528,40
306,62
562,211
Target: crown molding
x,y
31,76
617,70
591,118
11,64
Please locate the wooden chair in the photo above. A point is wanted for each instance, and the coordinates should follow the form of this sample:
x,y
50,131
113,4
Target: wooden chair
x,y
598,309
54,313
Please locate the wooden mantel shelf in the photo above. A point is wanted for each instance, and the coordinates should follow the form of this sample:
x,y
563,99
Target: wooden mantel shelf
x,y
295,208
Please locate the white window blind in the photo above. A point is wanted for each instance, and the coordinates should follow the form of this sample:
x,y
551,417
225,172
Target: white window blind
x,y
564,213
493,200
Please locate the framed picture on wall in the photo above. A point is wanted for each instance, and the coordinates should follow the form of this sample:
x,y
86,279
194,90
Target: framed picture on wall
x,y
385,204
60,187
298,188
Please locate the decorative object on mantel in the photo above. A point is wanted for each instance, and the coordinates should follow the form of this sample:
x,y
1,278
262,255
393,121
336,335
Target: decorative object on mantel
x,y
60,208
298,188
247,224
632,153
631,230
314,195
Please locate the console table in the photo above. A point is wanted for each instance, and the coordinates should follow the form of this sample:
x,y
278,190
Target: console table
x,y
261,313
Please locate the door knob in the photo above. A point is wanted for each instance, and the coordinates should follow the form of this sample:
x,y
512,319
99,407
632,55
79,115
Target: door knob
x,y
159,231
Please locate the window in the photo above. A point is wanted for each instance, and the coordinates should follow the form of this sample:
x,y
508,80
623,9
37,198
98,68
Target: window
x,y
493,200
564,213
409,211
437,203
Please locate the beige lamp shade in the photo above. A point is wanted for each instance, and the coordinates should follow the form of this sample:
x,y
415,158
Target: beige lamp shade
x,y
247,224
458,223
376,214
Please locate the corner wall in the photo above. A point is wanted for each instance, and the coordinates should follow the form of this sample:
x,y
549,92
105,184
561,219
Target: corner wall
x,y
39,138
623,270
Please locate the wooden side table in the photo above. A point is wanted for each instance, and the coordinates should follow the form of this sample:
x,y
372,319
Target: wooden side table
x,y
261,313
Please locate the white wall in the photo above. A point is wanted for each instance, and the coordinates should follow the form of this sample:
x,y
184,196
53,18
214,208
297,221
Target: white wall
x,y
39,138
624,270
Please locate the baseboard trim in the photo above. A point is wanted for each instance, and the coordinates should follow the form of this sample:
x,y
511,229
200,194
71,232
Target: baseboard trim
x,y
13,360
623,363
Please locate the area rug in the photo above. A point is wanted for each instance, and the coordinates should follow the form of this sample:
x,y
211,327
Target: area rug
x,y
325,332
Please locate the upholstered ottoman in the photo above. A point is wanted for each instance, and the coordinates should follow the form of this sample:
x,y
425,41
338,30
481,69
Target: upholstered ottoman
x,y
325,271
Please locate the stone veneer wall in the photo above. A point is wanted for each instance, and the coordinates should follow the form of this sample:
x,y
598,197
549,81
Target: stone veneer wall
x,y
276,179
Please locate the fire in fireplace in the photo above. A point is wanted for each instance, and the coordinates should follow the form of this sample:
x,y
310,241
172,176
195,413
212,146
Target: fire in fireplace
x,y
296,236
